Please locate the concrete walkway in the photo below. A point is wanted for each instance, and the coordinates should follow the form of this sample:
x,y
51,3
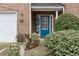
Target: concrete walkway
x,y
3,47
40,50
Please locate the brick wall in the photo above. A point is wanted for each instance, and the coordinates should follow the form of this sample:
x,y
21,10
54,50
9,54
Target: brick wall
x,y
72,8
23,13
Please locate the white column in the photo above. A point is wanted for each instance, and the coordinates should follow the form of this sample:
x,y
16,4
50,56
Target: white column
x,y
30,19
63,10
56,14
52,22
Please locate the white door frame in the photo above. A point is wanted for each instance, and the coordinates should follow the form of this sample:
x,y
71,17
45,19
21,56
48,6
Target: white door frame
x,y
50,23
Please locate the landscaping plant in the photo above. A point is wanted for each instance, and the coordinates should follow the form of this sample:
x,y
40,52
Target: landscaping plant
x,y
63,43
24,38
13,50
67,21
35,38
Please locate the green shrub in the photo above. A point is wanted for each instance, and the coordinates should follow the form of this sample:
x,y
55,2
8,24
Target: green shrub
x,y
13,50
67,21
34,36
35,39
63,43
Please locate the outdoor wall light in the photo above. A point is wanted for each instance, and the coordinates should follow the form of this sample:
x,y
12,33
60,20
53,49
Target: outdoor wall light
x,y
21,18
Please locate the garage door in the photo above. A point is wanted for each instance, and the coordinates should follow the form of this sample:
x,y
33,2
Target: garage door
x,y
8,26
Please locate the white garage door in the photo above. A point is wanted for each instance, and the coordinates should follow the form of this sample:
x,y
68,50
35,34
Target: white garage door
x,y
8,26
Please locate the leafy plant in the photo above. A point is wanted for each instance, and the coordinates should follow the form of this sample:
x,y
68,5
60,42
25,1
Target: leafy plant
x,y
34,36
35,23
24,38
63,43
13,50
67,21
34,39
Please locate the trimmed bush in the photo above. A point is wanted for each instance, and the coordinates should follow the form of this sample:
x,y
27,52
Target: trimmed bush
x,y
63,43
67,21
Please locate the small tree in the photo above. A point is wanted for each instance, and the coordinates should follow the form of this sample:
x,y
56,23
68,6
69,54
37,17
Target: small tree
x,y
67,21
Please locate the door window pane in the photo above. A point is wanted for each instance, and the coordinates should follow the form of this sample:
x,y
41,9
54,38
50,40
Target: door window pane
x,y
44,22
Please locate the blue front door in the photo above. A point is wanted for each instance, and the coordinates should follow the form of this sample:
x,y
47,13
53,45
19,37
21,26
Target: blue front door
x,y
44,25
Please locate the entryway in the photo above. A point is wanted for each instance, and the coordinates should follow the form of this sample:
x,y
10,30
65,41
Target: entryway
x,y
43,17
45,25
42,22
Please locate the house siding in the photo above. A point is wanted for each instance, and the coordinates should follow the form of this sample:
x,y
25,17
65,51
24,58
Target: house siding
x,y
72,8
22,14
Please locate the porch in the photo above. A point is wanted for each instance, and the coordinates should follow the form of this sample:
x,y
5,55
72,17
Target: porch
x,y
43,16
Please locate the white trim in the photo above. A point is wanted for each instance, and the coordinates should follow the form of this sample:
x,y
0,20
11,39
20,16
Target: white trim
x,y
56,14
49,24
52,23
39,24
46,7
30,20
49,19
63,10
8,12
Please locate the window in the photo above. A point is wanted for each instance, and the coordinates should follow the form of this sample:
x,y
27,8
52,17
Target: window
x,y
44,22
